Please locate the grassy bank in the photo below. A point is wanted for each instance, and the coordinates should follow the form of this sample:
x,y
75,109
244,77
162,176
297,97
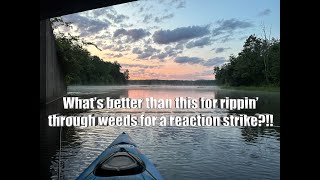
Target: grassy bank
x,y
253,88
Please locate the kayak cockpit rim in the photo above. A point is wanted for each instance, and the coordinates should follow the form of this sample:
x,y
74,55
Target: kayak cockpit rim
x,y
120,163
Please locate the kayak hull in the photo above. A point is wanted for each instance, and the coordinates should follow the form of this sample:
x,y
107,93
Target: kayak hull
x,y
125,145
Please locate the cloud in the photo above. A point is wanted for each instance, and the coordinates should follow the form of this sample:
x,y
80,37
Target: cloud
x,y
109,13
119,55
103,11
225,38
152,53
214,61
137,51
104,35
195,60
116,48
160,19
123,25
160,56
188,60
117,18
142,66
122,48
265,12
132,35
175,3
220,50
179,46
172,51
199,43
147,18
85,25
180,34
106,47
141,9
146,53
229,26
181,4
168,52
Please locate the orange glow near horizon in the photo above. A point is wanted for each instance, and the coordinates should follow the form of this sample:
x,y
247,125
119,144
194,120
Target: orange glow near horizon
x,y
168,70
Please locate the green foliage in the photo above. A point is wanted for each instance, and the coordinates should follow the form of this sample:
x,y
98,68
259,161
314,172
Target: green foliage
x,y
79,66
258,64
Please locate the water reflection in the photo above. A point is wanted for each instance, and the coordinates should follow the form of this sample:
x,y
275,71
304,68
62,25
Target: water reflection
x,y
180,152
269,102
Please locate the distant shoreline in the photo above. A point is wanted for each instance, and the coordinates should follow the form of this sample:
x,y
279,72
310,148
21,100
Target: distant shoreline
x,y
173,82
158,82
181,83
253,88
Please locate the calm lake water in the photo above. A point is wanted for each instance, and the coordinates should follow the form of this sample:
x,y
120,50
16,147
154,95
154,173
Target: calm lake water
x,y
177,152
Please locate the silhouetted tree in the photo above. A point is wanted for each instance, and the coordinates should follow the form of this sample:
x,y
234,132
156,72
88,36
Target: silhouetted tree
x,y
79,66
256,65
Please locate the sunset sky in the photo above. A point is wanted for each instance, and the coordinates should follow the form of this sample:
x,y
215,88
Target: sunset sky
x,y
174,39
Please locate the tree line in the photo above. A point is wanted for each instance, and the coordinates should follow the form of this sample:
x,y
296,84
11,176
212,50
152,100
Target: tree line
x,y
258,64
79,66
173,82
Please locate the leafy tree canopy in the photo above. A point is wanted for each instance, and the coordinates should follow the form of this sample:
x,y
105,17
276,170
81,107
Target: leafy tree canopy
x,y
258,64
79,66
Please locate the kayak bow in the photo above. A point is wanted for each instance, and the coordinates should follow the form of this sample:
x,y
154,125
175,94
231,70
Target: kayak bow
x,y
121,160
